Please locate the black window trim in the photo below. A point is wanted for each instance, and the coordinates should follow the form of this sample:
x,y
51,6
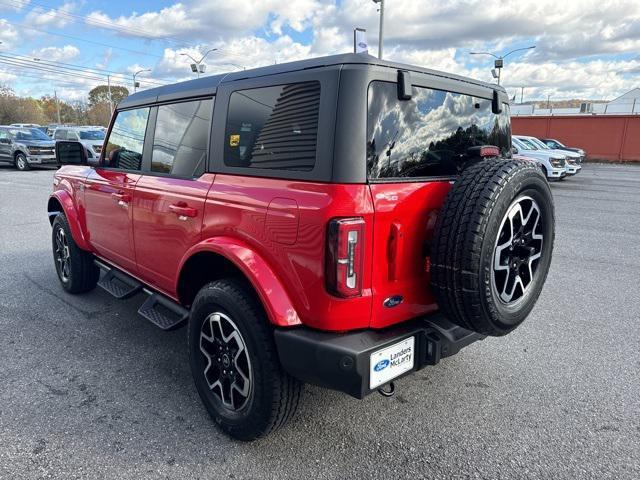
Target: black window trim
x,y
433,178
147,148
329,78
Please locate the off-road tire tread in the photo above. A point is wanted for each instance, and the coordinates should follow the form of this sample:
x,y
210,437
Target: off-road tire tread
x,y
286,389
84,273
457,242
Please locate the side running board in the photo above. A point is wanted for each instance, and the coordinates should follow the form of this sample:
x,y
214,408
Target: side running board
x,y
158,309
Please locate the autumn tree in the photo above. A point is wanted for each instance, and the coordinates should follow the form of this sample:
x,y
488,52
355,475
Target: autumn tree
x,y
100,94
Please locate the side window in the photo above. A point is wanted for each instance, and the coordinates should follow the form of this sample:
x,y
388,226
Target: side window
x,y
60,135
125,142
430,134
181,138
273,127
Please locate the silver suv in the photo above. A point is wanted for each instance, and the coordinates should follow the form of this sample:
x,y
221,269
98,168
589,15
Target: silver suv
x,y
91,137
26,147
553,164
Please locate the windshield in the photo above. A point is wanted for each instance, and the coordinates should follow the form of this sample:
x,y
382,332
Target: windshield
x,y
521,145
430,134
539,143
91,135
528,145
29,134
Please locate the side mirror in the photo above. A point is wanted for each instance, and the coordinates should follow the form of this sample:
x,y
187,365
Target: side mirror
x,y
5,140
514,150
70,153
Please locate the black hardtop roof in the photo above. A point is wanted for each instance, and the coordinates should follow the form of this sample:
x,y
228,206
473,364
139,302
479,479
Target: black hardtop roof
x,y
208,85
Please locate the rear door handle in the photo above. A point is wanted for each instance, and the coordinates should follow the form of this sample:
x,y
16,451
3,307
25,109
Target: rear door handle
x,y
182,210
121,197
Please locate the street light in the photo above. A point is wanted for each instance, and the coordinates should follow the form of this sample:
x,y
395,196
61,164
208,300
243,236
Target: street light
x,y
137,84
197,66
499,60
381,32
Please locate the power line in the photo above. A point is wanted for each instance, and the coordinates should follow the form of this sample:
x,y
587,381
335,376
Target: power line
x,y
52,71
114,26
71,66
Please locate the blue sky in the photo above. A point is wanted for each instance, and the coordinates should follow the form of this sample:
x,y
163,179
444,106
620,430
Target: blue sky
x,y
585,49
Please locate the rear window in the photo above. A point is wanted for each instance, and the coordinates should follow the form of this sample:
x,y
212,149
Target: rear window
x,y
273,127
428,135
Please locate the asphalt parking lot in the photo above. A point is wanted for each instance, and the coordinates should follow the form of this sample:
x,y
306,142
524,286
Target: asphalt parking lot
x,y
90,390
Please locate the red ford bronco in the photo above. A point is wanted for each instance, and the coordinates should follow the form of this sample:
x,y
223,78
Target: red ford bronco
x,y
342,221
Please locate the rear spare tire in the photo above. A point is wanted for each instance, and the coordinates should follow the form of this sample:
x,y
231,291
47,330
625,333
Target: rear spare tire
x,y
492,245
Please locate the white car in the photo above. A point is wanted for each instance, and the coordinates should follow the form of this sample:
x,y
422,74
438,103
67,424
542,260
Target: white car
x,y
91,137
553,164
573,159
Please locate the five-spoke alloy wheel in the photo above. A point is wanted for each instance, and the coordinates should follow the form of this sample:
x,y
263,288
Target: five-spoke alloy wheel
x,y
518,249
228,367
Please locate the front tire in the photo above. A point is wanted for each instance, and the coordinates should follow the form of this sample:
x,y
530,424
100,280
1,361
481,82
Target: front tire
x,y
75,267
21,162
234,362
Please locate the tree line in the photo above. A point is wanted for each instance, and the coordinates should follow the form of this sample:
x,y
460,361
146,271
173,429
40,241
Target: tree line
x,y
44,110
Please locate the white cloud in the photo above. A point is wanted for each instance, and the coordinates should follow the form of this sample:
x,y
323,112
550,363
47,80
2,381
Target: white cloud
x,y
57,54
55,17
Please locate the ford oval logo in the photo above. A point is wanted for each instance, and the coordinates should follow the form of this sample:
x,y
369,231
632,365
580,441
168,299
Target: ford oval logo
x,y
381,365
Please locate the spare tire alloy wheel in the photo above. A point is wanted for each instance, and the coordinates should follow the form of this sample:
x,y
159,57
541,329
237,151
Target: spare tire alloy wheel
x,y
518,250
228,367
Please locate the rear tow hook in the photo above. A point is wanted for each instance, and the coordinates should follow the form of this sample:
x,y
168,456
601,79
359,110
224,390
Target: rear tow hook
x,y
389,392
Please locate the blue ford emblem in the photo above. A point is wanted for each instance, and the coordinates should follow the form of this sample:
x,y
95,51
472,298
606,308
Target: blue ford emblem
x,y
381,365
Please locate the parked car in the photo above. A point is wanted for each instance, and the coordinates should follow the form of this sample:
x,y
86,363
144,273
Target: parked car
x,y
573,159
90,137
25,125
318,221
552,164
25,147
556,145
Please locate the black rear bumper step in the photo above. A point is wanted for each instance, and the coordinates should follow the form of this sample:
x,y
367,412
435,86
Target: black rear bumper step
x,y
158,308
340,361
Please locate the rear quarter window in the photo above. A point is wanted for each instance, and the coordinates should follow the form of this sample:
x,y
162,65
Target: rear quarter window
x,y
273,127
429,134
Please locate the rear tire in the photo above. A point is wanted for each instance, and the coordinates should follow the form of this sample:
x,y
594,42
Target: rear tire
x,y
75,267
234,362
492,246
21,162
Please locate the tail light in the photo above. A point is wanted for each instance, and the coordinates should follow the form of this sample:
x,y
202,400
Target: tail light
x,y
345,245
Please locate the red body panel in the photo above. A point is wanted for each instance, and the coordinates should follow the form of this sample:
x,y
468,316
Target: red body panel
x,y
273,230
167,219
238,207
404,220
108,196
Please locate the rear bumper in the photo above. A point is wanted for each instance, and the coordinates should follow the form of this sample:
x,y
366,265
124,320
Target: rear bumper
x,y
341,361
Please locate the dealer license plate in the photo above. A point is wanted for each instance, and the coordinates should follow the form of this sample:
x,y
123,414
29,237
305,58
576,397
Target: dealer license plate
x,y
391,362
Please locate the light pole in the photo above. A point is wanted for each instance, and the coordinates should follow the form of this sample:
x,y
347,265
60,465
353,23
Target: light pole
x,y
499,60
381,32
137,84
196,66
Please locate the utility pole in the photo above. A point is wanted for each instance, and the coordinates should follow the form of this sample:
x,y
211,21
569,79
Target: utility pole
x,y
110,99
381,33
55,96
521,95
549,102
